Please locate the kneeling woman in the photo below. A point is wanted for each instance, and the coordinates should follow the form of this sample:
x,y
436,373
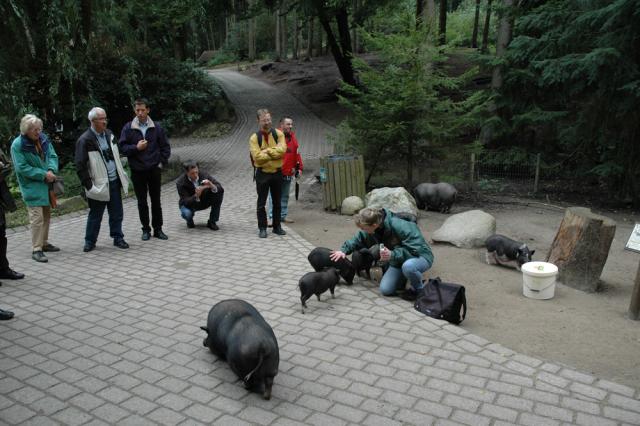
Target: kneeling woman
x,y
405,249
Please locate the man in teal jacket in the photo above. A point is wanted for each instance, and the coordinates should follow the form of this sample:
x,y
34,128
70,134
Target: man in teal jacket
x,y
36,164
405,250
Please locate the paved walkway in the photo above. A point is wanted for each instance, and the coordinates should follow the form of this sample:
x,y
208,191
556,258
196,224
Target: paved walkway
x,y
112,336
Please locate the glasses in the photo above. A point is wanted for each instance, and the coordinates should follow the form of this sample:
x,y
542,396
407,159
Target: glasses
x,y
105,119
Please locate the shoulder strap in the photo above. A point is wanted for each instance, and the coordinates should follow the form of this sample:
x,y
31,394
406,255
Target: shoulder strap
x,y
274,134
259,136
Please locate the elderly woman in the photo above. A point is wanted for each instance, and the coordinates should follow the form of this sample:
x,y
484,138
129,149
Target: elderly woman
x,y
405,250
35,163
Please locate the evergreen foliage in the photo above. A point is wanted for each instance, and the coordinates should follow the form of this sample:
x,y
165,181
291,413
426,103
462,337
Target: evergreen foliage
x,y
572,88
402,111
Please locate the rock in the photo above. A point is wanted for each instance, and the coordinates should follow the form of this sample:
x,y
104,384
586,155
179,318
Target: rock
x,y
466,230
351,205
395,199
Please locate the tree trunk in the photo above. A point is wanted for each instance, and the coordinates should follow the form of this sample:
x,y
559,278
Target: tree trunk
x,y
25,26
442,24
430,14
581,247
342,58
419,13
485,31
476,24
283,32
309,40
86,13
251,39
504,38
278,39
296,35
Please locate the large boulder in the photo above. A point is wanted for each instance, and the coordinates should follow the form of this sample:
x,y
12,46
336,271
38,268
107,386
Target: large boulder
x,y
466,230
395,199
351,205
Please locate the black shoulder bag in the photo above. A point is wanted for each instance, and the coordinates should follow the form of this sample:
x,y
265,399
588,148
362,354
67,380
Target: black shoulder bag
x,y
442,301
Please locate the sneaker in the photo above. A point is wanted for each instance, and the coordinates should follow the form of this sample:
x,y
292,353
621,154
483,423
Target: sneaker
x,y
88,247
50,248
262,233
212,226
410,294
146,236
160,235
279,231
39,256
190,224
5,315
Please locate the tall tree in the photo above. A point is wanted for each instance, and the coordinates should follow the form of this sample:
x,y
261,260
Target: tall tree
x,y
485,32
504,38
442,23
476,24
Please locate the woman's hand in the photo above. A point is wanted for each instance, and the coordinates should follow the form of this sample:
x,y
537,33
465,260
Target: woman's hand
x,y
336,255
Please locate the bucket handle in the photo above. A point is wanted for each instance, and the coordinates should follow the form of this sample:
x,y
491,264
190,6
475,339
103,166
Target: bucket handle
x,y
536,290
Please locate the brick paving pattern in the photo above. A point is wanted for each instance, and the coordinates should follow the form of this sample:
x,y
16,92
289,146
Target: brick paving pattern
x,y
112,336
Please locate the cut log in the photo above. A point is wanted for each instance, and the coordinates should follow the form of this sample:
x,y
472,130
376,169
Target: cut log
x,y
581,247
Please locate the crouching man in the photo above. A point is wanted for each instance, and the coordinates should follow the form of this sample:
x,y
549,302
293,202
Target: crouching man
x,y
199,191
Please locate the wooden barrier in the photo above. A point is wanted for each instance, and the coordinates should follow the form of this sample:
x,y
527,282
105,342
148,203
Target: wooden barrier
x,y
341,176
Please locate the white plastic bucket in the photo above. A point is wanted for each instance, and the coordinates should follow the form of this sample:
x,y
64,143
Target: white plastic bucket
x,y
539,280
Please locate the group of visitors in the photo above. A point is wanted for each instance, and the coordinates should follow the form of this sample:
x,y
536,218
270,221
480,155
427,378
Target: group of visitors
x,y
277,162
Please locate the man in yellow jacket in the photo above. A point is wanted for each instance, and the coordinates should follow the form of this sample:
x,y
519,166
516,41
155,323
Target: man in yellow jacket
x,y
267,147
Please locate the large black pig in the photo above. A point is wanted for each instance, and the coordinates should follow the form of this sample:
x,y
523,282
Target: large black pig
x,y
435,196
320,260
503,250
238,333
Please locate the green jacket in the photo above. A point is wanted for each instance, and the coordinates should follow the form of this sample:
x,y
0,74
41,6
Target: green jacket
x,y
31,169
402,237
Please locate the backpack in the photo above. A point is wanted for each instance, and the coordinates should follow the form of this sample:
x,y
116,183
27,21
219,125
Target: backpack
x,y
259,136
442,301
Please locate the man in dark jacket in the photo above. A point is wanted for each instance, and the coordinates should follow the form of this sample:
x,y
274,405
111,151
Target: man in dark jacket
x,y
145,144
198,191
6,202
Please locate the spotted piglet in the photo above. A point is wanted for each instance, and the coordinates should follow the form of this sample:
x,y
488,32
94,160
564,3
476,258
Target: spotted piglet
x,y
503,250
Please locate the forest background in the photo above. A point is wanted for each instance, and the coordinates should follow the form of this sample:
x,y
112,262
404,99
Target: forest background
x,y
506,80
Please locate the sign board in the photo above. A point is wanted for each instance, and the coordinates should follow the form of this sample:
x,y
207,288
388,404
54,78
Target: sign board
x,y
633,243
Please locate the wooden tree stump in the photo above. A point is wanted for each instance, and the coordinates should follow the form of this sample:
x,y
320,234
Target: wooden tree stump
x,y
581,247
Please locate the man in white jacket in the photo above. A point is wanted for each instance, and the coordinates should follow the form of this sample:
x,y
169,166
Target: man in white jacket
x,y
100,171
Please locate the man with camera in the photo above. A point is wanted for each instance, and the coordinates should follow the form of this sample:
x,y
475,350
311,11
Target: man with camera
x,y
199,191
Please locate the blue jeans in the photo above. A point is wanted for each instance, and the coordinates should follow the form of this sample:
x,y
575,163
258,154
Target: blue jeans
x,y
284,197
395,278
96,210
211,199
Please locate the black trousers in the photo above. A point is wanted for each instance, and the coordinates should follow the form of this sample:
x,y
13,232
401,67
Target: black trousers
x,y
4,263
266,182
148,182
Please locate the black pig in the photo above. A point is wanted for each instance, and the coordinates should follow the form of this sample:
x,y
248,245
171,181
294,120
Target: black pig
x,y
502,250
317,283
319,260
364,259
238,333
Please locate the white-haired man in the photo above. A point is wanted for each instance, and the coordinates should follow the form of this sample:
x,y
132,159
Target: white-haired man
x,y
103,177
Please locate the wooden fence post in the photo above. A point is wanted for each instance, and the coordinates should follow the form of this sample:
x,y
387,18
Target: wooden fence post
x,y
537,178
634,306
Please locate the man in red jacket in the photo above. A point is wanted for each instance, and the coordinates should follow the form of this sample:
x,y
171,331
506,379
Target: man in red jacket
x,y
291,167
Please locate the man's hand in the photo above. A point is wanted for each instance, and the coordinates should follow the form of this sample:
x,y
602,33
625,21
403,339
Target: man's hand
x,y
199,190
142,145
336,255
49,177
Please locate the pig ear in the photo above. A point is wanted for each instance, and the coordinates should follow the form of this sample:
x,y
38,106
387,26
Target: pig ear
x,y
205,329
531,252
